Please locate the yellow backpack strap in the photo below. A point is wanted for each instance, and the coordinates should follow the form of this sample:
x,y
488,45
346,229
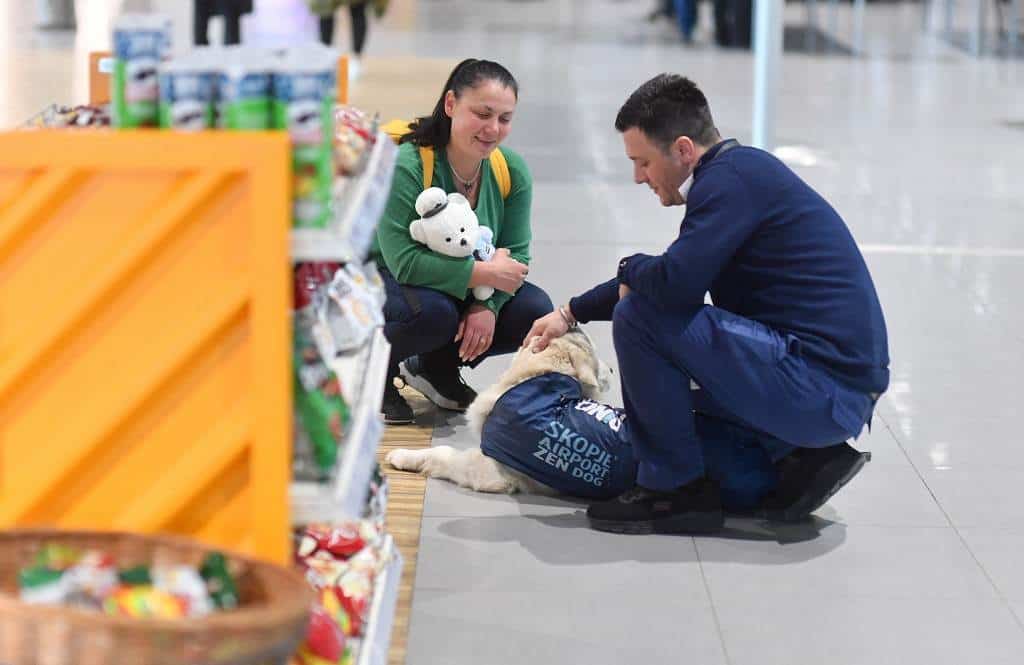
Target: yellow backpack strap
x,y
427,157
500,169
395,129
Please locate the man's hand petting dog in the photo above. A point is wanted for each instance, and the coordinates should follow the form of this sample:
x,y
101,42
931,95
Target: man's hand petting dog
x,y
545,329
476,330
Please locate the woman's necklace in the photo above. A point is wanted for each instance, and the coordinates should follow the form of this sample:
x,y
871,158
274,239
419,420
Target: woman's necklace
x,y
467,185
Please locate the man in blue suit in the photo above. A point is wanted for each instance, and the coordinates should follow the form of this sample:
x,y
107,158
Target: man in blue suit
x,y
793,349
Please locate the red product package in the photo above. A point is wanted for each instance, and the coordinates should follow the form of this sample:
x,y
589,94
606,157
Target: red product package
x,y
356,606
341,541
324,637
309,276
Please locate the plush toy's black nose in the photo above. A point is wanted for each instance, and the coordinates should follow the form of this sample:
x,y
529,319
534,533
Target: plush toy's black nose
x,y
463,242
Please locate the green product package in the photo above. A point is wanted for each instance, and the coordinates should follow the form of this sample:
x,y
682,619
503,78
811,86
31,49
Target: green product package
x,y
304,96
136,576
186,96
219,583
38,576
127,111
40,584
140,43
244,99
319,407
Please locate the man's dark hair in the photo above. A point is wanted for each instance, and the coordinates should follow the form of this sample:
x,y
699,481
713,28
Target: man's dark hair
x,y
436,129
667,107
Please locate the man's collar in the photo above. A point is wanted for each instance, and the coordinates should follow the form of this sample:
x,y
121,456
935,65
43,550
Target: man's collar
x,y
710,154
684,190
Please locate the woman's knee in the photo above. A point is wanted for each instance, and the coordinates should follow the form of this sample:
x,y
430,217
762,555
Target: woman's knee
x,y
429,315
531,302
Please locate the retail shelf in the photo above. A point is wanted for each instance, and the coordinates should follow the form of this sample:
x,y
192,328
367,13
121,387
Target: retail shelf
x,y
377,636
345,496
320,245
359,206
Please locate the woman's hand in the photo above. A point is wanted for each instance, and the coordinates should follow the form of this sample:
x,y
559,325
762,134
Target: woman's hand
x,y
502,272
476,330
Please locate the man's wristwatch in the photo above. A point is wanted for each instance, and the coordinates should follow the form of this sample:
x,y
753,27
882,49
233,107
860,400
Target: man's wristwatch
x,y
569,321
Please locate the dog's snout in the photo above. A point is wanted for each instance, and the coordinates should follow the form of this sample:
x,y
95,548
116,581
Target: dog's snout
x,y
463,242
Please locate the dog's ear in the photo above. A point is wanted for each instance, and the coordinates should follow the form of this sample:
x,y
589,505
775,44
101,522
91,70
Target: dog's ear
x,y
584,365
604,376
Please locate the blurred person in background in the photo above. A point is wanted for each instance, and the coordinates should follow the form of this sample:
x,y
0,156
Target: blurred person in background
x,y
325,10
231,10
685,11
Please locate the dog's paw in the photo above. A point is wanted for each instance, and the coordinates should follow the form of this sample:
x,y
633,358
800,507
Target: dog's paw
x,y
405,460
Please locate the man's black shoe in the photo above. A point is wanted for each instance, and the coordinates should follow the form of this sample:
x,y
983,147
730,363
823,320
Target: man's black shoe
x,y
693,508
394,407
808,477
444,388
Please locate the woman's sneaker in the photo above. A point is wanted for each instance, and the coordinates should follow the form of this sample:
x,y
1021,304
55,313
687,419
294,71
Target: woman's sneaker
x,y
445,388
394,407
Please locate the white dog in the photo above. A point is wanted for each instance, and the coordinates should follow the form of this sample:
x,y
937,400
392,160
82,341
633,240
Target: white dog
x,y
572,364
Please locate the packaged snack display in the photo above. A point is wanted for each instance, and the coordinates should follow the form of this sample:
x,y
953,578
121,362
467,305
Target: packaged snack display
x,y
353,309
186,583
321,414
325,642
305,82
43,585
354,135
187,93
348,315
377,502
245,88
70,116
220,584
342,561
92,580
141,41
145,602
249,88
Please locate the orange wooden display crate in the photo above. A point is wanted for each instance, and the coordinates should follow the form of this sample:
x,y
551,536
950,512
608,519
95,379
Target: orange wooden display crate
x,y
144,335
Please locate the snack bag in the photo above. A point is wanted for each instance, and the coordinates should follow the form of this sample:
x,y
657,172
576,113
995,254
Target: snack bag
x,y
141,41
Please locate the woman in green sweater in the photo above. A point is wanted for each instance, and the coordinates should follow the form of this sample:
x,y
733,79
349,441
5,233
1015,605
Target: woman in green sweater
x,y
432,321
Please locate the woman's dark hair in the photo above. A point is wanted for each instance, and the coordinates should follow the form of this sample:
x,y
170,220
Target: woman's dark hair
x,y
667,107
435,130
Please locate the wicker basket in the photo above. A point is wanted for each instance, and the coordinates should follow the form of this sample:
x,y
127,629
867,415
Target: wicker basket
x,y
265,630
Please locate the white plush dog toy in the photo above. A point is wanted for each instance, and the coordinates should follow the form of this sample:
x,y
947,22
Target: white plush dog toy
x,y
448,226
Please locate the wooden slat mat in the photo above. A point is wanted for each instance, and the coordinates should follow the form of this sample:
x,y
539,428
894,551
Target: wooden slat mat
x,y
404,512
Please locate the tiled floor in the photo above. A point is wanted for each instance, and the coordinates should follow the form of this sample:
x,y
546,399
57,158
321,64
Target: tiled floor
x,y
920,148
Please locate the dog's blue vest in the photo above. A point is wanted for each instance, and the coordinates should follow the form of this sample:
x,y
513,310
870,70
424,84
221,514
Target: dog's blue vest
x,y
543,428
